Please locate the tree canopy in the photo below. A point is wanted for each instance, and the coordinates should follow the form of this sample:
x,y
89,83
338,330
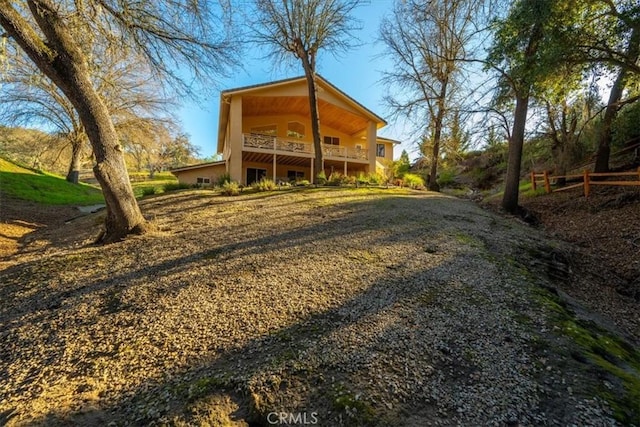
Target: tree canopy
x,y
172,37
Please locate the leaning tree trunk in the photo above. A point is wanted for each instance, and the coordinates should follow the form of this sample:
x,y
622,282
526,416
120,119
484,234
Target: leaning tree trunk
x,y
63,61
512,184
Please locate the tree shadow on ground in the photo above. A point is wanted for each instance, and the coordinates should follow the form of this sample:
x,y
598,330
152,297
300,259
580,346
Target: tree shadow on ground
x,y
231,372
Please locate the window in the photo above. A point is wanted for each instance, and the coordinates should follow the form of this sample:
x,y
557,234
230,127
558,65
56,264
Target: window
x,y
358,147
255,175
332,140
265,130
380,150
202,181
295,130
295,175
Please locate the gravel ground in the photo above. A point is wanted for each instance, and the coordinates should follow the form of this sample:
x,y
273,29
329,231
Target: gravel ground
x,y
336,306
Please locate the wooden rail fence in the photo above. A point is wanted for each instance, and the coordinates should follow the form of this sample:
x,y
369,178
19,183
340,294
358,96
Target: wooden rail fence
x,y
545,179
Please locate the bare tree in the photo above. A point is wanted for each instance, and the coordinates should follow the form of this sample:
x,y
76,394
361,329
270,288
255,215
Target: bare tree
x,y
59,38
28,98
428,44
303,28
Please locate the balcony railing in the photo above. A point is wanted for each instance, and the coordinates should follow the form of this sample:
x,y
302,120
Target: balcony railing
x,y
272,143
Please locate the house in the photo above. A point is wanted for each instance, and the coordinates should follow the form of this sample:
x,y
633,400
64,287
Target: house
x,y
265,131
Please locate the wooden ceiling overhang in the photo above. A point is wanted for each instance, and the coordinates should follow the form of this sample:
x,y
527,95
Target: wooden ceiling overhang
x,y
331,115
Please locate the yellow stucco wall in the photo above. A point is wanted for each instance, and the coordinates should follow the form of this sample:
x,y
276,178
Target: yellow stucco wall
x,y
213,172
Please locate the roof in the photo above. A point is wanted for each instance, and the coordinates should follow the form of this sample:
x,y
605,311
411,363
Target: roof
x,y
198,166
393,141
227,94
295,79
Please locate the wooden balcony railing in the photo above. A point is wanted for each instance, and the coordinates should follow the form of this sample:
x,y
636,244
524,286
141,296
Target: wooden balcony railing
x,y
267,142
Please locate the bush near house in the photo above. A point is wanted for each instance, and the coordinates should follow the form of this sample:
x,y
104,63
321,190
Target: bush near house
x,y
225,177
321,178
265,184
230,188
412,180
173,186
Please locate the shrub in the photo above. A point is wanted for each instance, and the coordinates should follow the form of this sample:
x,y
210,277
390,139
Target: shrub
x,y
362,179
412,180
446,177
321,178
230,188
302,183
173,186
225,177
376,179
336,178
351,180
148,191
265,184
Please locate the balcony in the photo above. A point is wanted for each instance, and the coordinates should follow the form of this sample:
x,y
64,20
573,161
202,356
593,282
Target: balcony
x,y
262,143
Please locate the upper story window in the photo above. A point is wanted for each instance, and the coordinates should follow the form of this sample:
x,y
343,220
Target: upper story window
x,y
332,140
380,150
295,130
271,130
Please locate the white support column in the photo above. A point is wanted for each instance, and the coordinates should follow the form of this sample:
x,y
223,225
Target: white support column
x,y
313,179
274,167
345,168
371,144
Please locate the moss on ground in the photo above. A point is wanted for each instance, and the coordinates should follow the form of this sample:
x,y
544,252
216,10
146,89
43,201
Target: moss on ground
x,y
611,354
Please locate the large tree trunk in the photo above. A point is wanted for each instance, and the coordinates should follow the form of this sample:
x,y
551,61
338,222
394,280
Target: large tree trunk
x,y
516,142
308,64
512,181
315,121
74,164
437,135
604,142
62,60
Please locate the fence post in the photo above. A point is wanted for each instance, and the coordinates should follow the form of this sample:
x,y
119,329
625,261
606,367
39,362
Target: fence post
x,y
533,179
587,187
547,185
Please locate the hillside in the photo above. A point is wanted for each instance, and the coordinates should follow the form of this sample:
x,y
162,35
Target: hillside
x,y
42,187
345,306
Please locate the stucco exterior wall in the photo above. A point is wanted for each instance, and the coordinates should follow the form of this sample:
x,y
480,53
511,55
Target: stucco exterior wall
x,y
213,172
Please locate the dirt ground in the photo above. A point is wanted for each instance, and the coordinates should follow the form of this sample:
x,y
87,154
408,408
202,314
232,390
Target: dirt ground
x,y
356,306
22,221
604,232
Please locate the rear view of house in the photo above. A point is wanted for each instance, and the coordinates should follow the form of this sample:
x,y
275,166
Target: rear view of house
x,y
265,132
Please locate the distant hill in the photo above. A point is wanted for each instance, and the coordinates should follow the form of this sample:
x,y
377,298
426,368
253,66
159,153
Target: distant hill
x,y
27,184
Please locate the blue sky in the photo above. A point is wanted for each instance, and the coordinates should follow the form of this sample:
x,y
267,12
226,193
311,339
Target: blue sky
x,y
356,72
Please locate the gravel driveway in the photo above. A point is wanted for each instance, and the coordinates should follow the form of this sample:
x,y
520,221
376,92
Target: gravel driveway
x,y
324,306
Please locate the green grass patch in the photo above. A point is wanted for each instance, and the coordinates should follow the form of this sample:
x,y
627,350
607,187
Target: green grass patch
x,y
146,188
45,188
158,176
